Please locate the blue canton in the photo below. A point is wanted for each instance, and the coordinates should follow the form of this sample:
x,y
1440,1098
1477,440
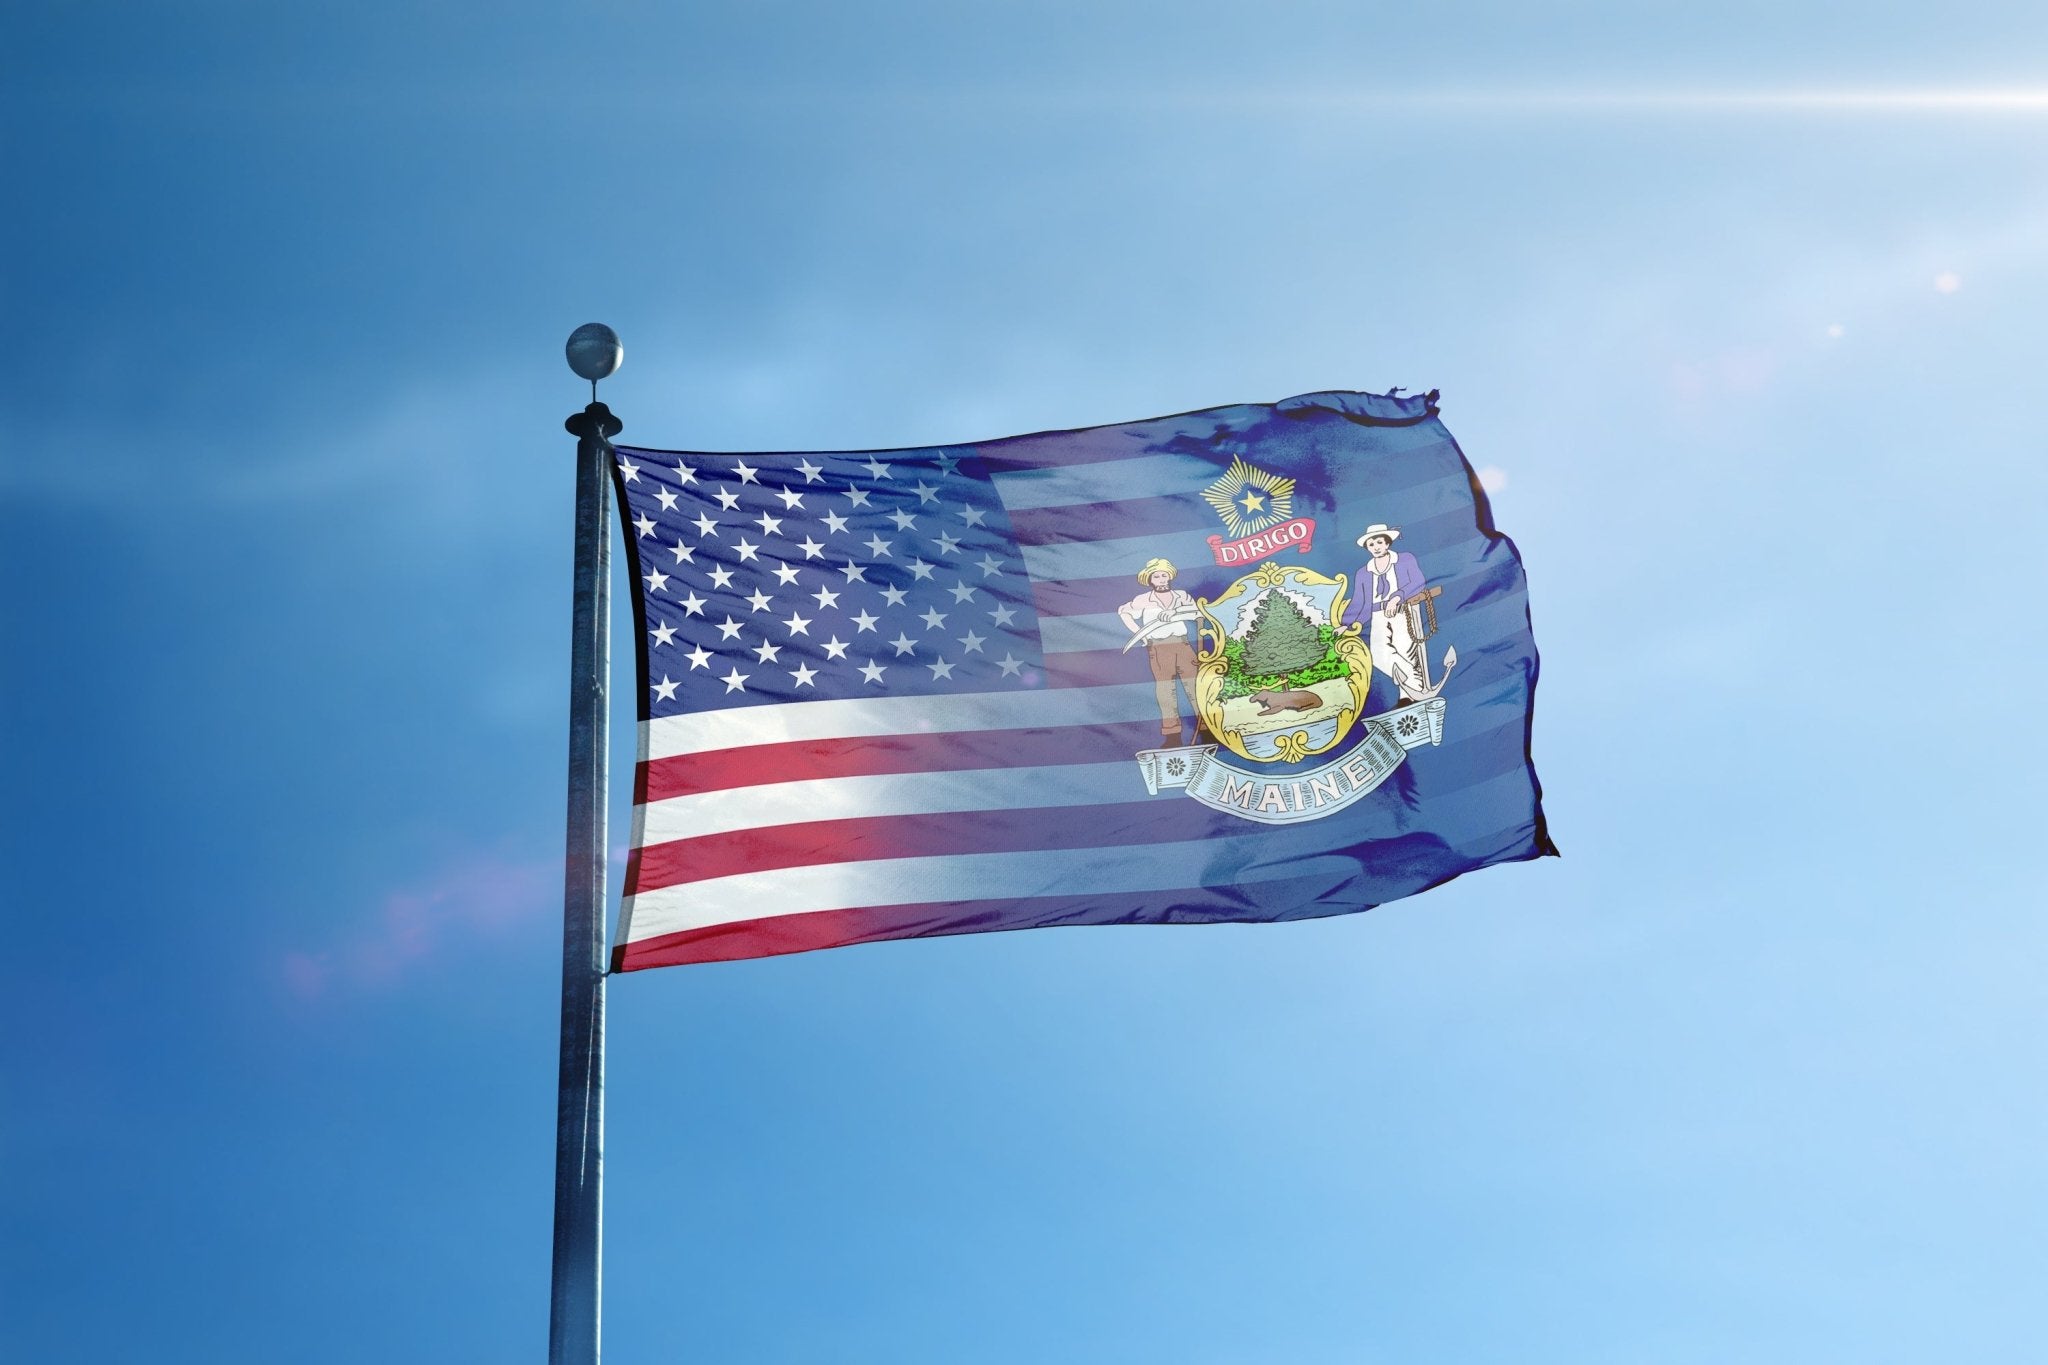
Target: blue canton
x,y
771,579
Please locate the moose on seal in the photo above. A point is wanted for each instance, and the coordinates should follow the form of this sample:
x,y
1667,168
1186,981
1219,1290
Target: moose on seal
x,y
1272,703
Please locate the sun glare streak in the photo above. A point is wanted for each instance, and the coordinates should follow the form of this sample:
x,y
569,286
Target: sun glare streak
x,y
1849,101
2020,100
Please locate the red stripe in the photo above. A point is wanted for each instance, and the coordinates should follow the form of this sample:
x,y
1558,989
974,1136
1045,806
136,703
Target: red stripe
x,y
1082,596
1309,897
1095,445
813,843
1171,515
870,755
1096,668
751,938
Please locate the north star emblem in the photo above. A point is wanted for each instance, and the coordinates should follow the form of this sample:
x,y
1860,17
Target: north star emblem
x,y
1249,499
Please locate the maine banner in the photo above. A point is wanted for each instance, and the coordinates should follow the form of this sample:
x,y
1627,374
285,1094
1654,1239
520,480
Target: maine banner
x,y
1260,662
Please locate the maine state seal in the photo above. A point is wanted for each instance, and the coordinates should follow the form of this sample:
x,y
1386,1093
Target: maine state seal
x,y
1281,681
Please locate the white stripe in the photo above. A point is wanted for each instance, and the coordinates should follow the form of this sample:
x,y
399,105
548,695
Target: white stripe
x,y
915,881
844,798
736,727
1144,476
1068,634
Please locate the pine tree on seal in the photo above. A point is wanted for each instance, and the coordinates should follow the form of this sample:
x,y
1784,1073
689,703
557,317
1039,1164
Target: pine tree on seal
x,y
1282,639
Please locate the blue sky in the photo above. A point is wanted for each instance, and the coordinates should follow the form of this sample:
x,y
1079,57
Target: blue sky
x,y
1753,1072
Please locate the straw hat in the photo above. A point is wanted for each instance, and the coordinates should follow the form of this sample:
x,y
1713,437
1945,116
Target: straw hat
x,y
1376,529
1153,566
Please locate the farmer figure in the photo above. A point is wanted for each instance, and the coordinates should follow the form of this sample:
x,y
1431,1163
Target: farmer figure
x,y
1160,617
1386,581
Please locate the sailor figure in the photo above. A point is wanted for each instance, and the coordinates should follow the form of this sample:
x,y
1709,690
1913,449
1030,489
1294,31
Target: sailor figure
x,y
1386,582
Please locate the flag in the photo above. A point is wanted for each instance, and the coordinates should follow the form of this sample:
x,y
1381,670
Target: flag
x,y
1259,662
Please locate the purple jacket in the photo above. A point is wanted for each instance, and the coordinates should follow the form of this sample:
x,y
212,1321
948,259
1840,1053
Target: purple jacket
x,y
1370,597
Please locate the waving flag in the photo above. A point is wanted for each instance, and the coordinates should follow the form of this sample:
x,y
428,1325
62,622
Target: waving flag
x,y
1259,662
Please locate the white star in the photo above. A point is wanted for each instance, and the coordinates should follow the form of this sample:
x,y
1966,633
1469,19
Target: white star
x,y
693,605
926,493
834,649
920,570
961,592
785,574
729,630
699,657
1002,615
933,618
727,498
766,652
643,525
948,545
989,564
745,549
878,547
949,463
1009,663
877,468
684,554
972,643
791,499
811,548
745,471
975,516
865,622
705,525
809,471
721,578
904,521
825,597
834,523
798,625
735,681
665,690
904,644
663,633
893,597
854,572
803,673
940,669
770,526
856,497
871,671
758,600
656,580
628,471
666,499
684,474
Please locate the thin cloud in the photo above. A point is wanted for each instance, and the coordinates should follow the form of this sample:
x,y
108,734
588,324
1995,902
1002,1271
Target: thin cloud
x,y
411,445
477,898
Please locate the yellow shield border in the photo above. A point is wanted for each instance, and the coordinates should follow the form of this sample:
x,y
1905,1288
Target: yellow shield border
x,y
1210,667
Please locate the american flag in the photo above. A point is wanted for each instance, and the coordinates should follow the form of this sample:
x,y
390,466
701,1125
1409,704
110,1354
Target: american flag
x,y
885,694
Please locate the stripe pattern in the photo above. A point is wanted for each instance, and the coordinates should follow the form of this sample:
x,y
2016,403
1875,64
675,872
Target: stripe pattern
x,y
886,694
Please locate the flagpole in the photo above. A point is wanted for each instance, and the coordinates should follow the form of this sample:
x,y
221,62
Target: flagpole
x,y
574,1308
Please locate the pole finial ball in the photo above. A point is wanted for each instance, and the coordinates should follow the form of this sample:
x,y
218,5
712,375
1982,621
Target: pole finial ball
x,y
594,351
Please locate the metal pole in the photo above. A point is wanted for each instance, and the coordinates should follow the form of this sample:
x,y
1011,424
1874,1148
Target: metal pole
x,y
573,1319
